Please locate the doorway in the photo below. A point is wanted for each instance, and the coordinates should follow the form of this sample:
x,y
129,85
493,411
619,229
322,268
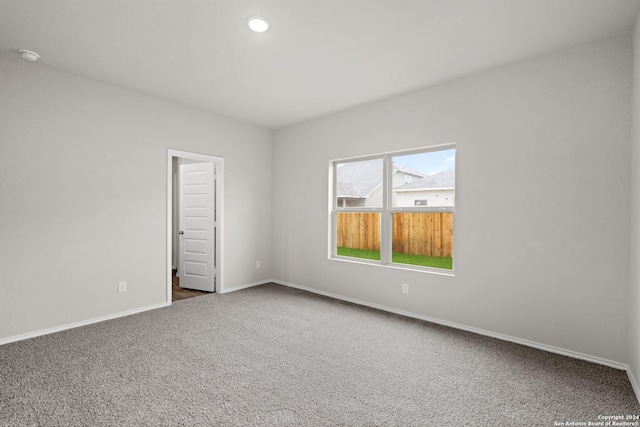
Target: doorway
x,y
178,293
194,223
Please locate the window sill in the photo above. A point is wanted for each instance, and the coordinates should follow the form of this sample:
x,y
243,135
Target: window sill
x,y
406,267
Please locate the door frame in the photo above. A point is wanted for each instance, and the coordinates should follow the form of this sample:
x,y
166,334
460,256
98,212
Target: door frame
x,y
218,163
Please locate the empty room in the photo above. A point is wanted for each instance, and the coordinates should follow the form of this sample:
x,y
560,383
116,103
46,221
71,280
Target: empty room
x,y
319,213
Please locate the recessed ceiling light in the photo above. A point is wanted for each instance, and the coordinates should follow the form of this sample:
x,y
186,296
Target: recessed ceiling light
x,y
29,55
258,24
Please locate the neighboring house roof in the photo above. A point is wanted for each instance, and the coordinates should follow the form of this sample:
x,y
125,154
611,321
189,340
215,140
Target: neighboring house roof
x,y
347,189
399,168
444,179
360,179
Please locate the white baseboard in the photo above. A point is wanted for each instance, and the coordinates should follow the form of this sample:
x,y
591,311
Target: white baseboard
x,y
79,324
634,383
551,349
110,316
533,344
245,286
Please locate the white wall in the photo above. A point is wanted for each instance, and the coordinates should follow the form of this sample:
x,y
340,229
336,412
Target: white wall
x,y
550,262
83,170
634,284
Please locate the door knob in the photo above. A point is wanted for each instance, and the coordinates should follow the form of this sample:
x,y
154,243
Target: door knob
x,y
181,232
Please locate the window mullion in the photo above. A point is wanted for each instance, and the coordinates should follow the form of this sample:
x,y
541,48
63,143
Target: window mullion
x,y
385,216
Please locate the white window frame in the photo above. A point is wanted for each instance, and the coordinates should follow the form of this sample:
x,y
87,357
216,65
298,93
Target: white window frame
x,y
386,211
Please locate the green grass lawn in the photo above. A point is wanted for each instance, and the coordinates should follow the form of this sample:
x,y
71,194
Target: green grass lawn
x,y
359,253
425,261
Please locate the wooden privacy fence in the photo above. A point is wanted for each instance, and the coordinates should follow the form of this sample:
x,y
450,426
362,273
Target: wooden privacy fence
x,y
423,233
359,230
417,233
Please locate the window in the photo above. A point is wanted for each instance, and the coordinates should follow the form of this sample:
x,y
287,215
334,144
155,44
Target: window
x,y
395,208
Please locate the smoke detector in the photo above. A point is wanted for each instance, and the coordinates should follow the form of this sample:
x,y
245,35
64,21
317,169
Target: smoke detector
x,y
29,55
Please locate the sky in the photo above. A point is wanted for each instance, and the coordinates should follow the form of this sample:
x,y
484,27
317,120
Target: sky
x,y
429,163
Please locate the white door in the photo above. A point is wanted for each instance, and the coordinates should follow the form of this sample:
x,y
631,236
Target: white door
x,y
197,226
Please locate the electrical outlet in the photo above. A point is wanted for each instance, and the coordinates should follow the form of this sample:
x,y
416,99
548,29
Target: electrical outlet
x,y
122,287
257,263
405,288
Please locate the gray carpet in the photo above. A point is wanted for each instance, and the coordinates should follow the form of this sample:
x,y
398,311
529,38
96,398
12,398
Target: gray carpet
x,y
275,356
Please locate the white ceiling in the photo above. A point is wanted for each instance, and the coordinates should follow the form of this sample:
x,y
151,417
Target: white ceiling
x,y
319,57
